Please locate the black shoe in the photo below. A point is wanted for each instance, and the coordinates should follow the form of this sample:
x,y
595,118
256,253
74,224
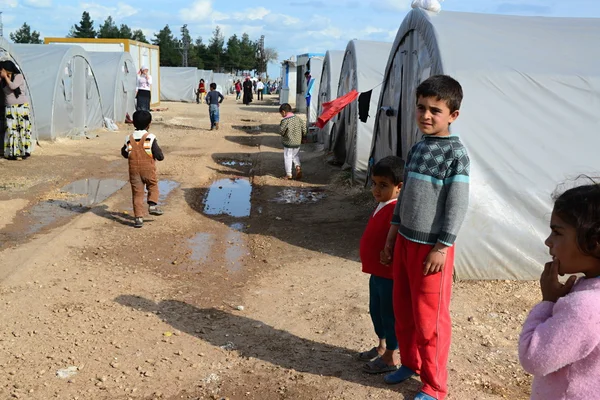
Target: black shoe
x,y
154,210
139,222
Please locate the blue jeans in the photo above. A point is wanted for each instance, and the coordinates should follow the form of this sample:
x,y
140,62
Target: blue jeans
x,y
382,310
213,111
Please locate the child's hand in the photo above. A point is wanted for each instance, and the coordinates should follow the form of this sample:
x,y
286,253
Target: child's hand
x,y
434,262
552,289
385,255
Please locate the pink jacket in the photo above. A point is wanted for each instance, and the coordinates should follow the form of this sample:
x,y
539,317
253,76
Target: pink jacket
x,y
560,345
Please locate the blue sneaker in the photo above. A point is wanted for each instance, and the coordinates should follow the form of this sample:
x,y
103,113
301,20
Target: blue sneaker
x,y
399,376
424,396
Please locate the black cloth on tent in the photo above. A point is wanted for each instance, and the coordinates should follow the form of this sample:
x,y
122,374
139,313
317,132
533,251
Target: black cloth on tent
x,y
364,101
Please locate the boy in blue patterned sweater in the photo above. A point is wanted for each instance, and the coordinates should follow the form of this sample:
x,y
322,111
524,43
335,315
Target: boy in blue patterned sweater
x,y
428,216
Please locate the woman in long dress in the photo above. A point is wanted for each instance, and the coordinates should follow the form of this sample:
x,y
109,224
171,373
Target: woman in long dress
x,y
247,91
17,135
143,90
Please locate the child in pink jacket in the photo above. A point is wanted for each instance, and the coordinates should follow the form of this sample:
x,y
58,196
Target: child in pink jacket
x,y
560,341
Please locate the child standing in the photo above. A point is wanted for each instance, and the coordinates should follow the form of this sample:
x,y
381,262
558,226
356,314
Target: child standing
x,y
213,99
560,341
386,182
141,150
428,216
200,91
292,130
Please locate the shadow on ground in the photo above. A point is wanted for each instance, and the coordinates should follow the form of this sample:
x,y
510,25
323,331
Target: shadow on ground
x,y
252,338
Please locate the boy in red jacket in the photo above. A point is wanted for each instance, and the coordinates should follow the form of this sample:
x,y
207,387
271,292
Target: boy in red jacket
x,y
386,182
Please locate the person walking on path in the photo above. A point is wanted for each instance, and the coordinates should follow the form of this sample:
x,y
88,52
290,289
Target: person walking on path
x,y
247,91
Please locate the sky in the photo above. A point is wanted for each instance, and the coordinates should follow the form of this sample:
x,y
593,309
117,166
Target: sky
x,y
292,27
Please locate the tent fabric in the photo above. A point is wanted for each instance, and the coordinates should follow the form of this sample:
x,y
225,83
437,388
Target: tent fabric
x,y
178,84
224,82
116,76
527,119
330,77
7,53
63,89
362,70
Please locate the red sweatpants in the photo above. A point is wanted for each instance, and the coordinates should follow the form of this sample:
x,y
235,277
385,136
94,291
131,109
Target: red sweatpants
x,y
422,311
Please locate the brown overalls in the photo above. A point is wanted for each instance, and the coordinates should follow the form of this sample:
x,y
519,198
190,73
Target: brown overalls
x,y
142,173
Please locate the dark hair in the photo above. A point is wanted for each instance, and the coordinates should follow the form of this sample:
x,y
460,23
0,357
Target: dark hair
x,y
202,80
12,68
213,86
285,107
391,167
141,119
580,208
442,87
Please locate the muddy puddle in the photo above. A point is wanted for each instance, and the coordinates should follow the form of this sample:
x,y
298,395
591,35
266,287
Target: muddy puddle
x,y
165,187
206,252
299,196
229,197
87,192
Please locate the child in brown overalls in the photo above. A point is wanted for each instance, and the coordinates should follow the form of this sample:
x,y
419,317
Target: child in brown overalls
x,y
142,150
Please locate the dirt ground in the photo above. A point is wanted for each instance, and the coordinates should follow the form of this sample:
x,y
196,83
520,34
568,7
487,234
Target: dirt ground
x,y
199,305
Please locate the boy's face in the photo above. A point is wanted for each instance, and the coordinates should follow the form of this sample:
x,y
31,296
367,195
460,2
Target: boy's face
x,y
434,116
383,188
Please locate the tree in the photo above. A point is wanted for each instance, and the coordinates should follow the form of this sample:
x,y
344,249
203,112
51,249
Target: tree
x,y
169,53
85,29
109,30
233,55
139,36
201,52
248,53
125,32
215,50
24,35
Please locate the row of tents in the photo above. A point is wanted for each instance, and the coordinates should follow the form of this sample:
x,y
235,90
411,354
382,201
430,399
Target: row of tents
x,y
181,83
71,90
529,119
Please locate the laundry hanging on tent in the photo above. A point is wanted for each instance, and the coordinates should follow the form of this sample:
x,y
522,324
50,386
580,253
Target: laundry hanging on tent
x,y
364,101
333,108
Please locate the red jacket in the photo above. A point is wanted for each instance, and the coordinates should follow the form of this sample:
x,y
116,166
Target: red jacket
x,y
373,241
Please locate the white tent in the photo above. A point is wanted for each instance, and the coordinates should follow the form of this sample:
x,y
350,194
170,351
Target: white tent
x,y
178,84
116,76
63,87
330,77
529,120
7,53
362,69
223,81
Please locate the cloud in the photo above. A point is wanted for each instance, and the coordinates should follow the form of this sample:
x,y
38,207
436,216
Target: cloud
x,y
199,11
38,3
519,8
98,11
9,3
391,5
315,4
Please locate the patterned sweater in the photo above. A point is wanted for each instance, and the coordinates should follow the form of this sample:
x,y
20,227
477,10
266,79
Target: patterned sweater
x,y
292,129
434,199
